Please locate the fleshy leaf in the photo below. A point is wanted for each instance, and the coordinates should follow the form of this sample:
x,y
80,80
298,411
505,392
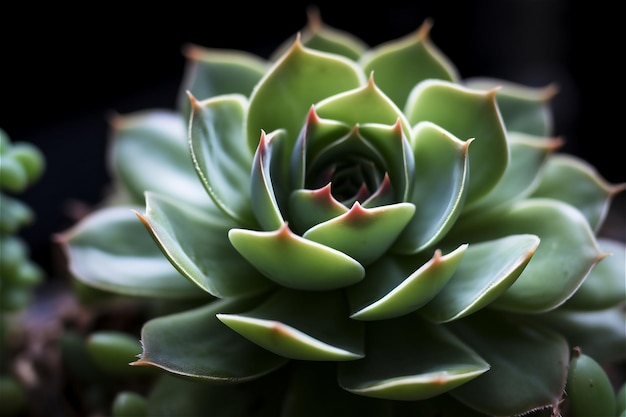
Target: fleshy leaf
x,y
486,271
528,365
570,179
150,152
567,252
528,157
295,262
397,285
212,72
299,79
264,199
294,324
361,233
310,207
605,286
319,36
365,104
524,109
401,64
395,367
327,399
195,242
191,344
111,250
439,186
220,154
467,114
601,333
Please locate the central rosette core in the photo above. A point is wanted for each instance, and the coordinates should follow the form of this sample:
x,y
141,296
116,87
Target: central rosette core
x,y
352,179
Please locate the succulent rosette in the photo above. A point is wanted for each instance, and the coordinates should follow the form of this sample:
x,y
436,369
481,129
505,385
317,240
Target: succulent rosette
x,y
361,232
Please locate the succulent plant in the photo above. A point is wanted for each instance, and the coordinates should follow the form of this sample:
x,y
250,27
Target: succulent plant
x,y
360,231
21,165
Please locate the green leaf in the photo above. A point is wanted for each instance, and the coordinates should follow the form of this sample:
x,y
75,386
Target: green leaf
x,y
361,233
294,325
605,286
111,250
467,114
192,343
485,272
410,359
296,262
301,78
600,333
221,156
14,214
397,285
212,72
570,179
196,243
150,152
568,250
319,36
439,185
528,365
528,157
364,104
400,64
263,196
524,109
310,207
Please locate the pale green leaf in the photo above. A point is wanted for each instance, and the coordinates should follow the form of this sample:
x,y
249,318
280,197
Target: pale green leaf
x,y
220,154
395,367
303,325
396,285
467,114
111,250
196,243
295,262
192,343
485,272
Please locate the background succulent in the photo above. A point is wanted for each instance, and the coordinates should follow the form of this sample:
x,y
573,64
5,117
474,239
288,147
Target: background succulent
x,y
362,232
21,165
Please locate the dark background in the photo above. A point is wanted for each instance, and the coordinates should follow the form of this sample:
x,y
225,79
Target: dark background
x,y
64,69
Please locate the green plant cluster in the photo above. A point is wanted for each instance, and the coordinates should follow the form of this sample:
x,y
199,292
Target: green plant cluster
x,y
21,165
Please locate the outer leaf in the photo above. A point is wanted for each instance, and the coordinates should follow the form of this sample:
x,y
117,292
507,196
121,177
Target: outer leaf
x,y
568,250
221,156
318,35
295,262
195,243
213,72
486,271
524,109
601,333
301,78
528,365
605,286
528,157
401,64
150,152
191,344
439,186
292,324
397,285
112,251
570,179
327,399
465,113
395,367
363,234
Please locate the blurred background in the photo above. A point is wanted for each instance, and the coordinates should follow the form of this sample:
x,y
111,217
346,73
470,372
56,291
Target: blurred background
x,y
64,69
